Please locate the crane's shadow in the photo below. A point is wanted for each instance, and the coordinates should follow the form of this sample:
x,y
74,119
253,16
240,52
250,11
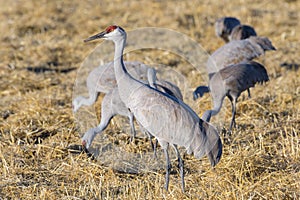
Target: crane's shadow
x,y
122,159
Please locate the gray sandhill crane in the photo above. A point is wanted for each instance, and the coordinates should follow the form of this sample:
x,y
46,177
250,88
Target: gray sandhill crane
x,y
224,27
102,80
168,119
238,51
234,52
241,32
112,105
231,81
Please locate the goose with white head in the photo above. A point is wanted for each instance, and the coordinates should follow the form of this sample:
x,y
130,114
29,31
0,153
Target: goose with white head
x,y
168,119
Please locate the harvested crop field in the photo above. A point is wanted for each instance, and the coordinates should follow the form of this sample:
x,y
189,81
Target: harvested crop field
x,y
42,52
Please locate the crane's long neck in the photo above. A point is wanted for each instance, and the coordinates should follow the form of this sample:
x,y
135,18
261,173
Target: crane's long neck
x,y
151,76
126,83
119,67
217,107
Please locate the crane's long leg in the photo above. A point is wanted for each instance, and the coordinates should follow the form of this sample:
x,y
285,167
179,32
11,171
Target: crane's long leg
x,y
154,147
249,95
168,168
180,166
132,128
233,105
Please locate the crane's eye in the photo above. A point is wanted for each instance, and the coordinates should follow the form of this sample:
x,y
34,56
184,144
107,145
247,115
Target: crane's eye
x,y
111,28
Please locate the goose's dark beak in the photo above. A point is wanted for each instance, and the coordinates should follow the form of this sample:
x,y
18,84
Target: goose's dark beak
x,y
97,36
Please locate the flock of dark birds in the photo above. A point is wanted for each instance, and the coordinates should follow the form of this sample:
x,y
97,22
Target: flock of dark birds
x,y
131,88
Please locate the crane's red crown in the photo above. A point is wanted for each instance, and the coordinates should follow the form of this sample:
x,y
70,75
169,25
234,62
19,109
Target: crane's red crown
x,y
111,28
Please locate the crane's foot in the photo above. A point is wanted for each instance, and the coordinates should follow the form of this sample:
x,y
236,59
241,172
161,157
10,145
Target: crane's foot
x,y
232,125
75,149
168,169
131,139
154,145
168,176
249,95
226,136
181,171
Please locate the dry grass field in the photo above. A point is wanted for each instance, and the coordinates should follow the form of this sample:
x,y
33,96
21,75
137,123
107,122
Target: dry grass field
x,y
42,48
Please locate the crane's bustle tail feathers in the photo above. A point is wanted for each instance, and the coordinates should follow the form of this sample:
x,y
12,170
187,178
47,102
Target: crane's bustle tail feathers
x,y
215,154
208,143
263,42
213,145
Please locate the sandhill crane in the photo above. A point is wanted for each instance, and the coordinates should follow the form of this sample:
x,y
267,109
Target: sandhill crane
x,y
224,27
168,119
231,81
241,32
112,105
234,52
238,51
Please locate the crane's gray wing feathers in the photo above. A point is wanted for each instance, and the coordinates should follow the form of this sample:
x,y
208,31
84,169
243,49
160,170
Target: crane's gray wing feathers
x,y
155,110
238,51
242,76
102,78
169,88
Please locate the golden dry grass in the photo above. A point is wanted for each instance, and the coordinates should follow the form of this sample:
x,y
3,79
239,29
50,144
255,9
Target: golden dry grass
x,y
261,158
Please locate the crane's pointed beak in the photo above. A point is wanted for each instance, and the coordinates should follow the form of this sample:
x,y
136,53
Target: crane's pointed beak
x,y
97,36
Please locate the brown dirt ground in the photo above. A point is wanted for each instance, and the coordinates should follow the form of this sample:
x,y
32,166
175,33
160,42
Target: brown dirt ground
x,y
260,159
